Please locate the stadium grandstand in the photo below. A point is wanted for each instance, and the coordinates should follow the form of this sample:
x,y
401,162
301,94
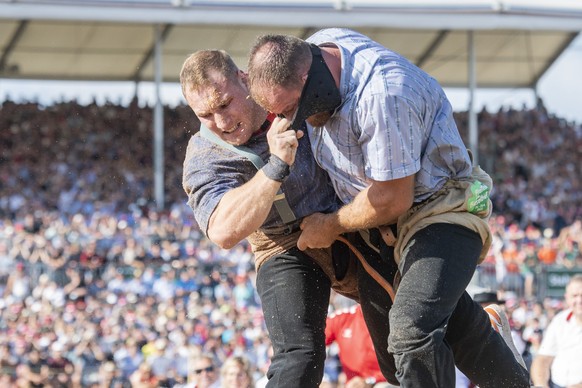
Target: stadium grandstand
x,y
105,281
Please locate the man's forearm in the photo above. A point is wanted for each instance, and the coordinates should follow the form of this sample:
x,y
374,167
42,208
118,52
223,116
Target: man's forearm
x,y
361,214
540,370
242,211
379,204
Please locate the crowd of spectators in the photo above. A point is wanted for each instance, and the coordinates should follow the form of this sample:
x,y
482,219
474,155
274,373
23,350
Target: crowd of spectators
x,y
97,285
534,159
122,294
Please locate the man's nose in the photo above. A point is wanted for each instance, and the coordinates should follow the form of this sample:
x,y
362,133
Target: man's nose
x,y
223,122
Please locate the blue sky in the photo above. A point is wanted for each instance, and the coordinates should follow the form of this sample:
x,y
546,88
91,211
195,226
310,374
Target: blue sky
x,y
560,88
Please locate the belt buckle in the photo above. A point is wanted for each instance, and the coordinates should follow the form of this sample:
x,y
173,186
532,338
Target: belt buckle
x,y
291,228
288,230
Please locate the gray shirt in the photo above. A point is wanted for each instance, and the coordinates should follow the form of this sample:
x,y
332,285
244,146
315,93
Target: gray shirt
x,y
394,121
210,171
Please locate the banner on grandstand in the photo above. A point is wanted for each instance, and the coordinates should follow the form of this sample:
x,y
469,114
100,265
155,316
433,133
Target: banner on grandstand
x,y
556,280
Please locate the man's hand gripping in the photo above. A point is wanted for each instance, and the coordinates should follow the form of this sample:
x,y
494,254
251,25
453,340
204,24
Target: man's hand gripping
x,y
283,141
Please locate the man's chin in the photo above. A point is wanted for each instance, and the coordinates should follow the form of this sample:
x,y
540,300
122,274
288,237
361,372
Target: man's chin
x,y
236,139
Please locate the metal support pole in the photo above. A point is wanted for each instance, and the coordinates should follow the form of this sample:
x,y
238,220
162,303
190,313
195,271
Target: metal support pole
x,y
473,130
158,144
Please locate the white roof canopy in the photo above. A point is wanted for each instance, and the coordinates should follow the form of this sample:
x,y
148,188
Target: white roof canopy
x,y
515,41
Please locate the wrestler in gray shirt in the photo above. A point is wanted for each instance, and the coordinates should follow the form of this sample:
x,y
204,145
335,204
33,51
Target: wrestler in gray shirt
x,y
210,171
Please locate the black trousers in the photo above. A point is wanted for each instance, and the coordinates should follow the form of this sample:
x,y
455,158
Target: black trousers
x,y
433,323
294,294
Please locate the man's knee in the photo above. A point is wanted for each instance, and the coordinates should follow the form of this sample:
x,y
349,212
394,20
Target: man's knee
x,y
411,331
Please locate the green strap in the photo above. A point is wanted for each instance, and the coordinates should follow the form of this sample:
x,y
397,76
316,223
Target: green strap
x,y
280,202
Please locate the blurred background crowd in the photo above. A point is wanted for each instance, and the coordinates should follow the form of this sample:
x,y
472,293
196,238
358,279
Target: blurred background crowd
x,y
97,285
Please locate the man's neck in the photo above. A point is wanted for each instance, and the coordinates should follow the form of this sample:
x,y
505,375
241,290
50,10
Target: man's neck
x,y
333,60
266,125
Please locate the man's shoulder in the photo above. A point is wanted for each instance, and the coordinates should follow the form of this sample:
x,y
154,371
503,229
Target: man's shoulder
x,y
332,34
201,149
205,144
563,316
197,141
560,323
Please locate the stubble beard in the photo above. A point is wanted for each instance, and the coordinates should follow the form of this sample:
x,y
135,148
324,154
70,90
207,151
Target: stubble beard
x,y
319,119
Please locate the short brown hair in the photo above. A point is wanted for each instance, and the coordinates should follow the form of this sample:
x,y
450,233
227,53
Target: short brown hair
x,y
278,60
194,73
